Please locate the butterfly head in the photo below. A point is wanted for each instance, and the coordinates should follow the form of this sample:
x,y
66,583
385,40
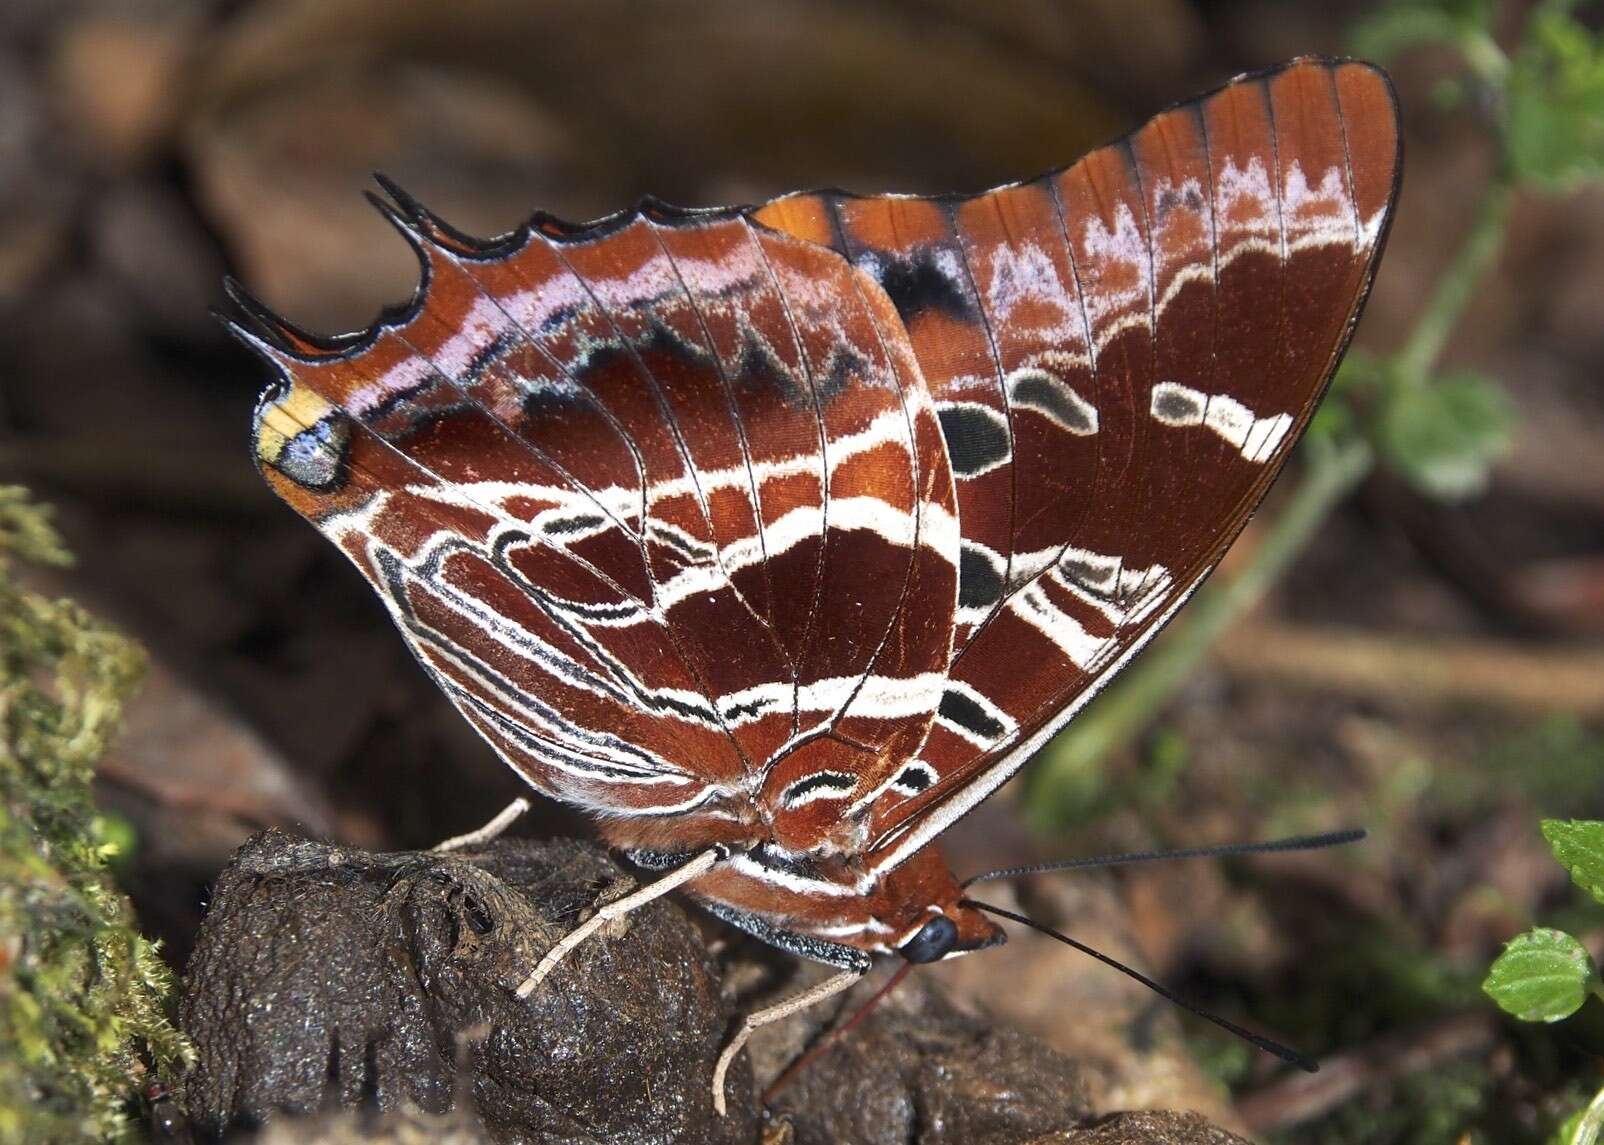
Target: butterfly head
x,y
949,935
922,900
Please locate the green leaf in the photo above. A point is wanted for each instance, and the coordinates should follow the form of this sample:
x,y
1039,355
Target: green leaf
x,y
1443,437
1358,378
1579,846
1542,976
1556,101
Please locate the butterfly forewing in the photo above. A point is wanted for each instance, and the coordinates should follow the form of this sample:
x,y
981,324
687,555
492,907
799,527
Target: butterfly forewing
x,y
1142,336
663,507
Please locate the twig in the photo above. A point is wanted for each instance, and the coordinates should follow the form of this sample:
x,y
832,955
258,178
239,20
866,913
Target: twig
x,y
1302,1097
1460,670
1458,283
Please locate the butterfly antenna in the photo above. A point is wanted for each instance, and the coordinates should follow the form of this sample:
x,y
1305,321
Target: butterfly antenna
x,y
1295,843
1285,1053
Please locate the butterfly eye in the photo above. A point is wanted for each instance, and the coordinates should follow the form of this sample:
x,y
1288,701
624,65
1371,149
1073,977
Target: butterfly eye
x,y
934,941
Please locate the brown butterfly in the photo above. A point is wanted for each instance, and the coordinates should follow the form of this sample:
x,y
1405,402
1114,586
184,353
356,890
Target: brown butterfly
x,y
776,538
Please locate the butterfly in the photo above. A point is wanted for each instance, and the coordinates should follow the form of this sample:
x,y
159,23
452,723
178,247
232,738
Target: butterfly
x,y
776,538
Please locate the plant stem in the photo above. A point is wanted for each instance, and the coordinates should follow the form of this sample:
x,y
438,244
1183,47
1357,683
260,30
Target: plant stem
x,y
1119,715
1484,57
1587,1129
1457,285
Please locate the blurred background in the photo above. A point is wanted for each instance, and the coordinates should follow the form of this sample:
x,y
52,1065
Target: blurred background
x,y
1410,638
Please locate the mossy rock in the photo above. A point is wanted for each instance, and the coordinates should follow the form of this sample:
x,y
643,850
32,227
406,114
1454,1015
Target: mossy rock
x,y
82,993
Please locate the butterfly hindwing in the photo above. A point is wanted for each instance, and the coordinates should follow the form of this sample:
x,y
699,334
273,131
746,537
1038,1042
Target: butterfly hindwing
x,y
1143,336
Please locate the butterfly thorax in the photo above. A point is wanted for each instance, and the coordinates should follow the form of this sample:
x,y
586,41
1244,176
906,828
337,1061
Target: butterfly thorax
x,y
839,908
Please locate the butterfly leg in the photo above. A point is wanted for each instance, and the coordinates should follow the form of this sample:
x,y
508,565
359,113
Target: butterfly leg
x,y
830,986
620,907
505,818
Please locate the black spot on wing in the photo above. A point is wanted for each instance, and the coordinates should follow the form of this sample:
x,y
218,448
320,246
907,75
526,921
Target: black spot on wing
x,y
760,371
914,778
980,585
662,339
1177,406
916,284
577,523
821,781
748,709
977,438
1099,580
1037,389
1188,195
486,357
962,711
844,367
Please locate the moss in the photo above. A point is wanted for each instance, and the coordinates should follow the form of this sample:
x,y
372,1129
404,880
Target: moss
x,y
82,993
